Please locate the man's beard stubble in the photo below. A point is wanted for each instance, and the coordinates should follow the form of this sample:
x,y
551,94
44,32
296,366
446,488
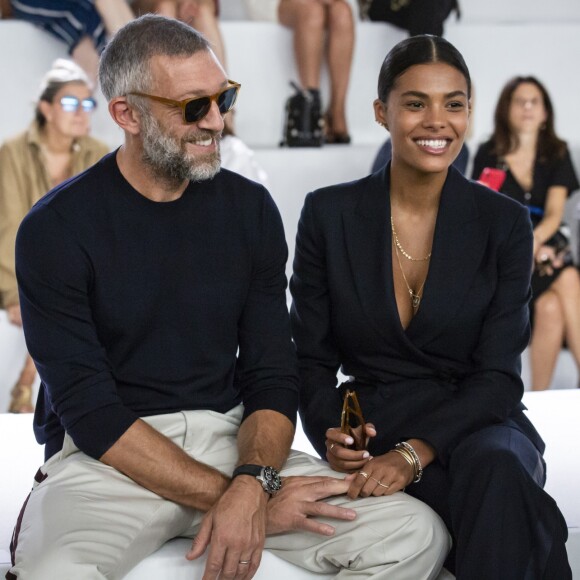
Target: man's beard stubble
x,y
168,158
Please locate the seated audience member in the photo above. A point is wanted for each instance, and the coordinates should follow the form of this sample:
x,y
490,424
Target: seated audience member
x,y
535,169
55,146
82,26
415,282
153,301
323,30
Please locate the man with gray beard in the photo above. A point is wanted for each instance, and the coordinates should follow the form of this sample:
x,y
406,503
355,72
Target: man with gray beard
x,y
152,290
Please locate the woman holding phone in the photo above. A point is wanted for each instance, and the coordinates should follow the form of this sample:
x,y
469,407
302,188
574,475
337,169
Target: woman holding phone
x,y
525,159
415,281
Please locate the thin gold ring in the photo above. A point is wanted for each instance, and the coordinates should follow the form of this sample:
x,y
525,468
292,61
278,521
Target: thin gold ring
x,y
380,483
331,446
365,475
244,562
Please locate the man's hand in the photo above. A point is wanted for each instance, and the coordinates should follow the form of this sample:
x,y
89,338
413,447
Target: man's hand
x,y
299,500
14,316
235,529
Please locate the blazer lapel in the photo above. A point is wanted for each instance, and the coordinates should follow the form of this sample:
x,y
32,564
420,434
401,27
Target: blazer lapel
x,y
368,244
458,246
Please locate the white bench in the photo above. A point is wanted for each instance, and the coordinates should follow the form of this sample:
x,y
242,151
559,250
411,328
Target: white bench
x,y
555,413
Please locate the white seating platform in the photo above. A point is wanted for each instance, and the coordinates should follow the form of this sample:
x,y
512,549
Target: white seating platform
x,y
555,414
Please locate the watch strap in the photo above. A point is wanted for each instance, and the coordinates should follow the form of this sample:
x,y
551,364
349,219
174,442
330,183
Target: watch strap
x,y
248,469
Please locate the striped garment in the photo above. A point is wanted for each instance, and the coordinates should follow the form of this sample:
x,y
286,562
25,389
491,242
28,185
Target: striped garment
x,y
68,20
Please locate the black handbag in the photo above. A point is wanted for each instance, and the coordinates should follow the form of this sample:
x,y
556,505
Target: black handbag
x,y
303,124
415,16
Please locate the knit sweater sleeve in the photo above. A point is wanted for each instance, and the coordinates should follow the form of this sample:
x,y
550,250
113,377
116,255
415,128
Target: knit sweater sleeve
x,y
266,370
55,275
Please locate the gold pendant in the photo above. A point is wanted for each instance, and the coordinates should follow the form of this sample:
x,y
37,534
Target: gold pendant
x,y
415,299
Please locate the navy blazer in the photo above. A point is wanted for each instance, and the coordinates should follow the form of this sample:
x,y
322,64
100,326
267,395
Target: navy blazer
x,y
456,368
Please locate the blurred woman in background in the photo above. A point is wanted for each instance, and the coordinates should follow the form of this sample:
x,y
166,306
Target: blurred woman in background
x,y
534,167
55,147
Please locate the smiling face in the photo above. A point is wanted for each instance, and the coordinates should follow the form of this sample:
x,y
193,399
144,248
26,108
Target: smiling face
x,y
527,111
427,114
172,148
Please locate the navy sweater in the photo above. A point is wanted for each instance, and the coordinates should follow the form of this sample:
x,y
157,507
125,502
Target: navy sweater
x,y
134,308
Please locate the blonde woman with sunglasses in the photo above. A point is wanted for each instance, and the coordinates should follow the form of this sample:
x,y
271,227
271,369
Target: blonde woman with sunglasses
x,y
55,147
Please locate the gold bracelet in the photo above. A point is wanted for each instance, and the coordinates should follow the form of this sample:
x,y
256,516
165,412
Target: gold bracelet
x,y
417,462
403,453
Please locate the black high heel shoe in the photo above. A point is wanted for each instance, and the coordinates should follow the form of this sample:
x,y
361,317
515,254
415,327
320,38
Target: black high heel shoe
x,y
331,137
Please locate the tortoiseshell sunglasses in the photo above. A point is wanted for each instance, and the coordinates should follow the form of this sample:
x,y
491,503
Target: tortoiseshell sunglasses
x,y
351,418
193,110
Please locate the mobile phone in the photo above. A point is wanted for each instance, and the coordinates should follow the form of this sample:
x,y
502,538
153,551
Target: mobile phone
x,y
492,177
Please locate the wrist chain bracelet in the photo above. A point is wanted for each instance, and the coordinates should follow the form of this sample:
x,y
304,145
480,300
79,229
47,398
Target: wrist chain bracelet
x,y
407,451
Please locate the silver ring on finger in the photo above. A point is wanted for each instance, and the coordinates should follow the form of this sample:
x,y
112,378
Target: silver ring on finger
x,y
331,446
244,561
365,475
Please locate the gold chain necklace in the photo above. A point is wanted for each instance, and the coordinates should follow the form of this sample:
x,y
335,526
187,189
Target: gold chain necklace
x,y
415,296
398,244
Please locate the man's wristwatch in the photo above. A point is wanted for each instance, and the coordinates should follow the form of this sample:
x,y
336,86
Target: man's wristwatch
x,y
266,475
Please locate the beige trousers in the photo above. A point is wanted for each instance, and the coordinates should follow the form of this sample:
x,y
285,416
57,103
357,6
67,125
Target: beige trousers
x,y
86,520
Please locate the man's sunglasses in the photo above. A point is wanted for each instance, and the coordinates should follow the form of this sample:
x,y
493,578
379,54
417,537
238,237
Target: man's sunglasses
x,y
195,109
72,104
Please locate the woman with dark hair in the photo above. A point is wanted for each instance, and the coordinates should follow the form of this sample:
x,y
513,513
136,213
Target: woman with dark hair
x,y
415,281
537,171
55,147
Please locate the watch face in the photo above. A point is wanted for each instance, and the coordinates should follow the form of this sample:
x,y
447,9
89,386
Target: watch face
x,y
271,480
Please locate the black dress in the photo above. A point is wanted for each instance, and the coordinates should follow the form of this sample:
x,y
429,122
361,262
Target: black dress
x,y
546,174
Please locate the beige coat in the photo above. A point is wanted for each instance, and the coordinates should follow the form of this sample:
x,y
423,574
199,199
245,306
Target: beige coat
x,y
23,181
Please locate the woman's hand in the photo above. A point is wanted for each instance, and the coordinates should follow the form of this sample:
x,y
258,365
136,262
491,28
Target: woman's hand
x,y
383,475
339,456
547,259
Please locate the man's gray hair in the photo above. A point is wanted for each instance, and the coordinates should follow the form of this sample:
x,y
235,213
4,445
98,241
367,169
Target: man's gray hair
x,y
124,65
